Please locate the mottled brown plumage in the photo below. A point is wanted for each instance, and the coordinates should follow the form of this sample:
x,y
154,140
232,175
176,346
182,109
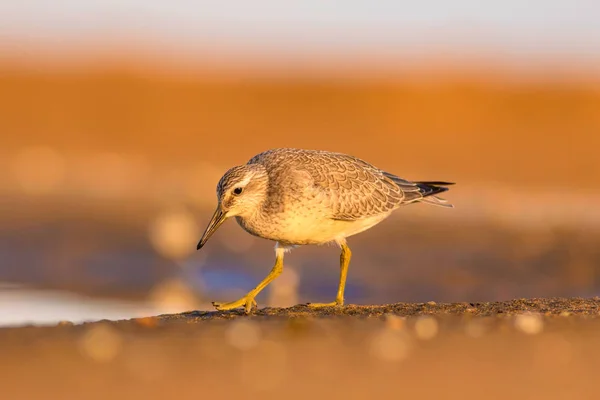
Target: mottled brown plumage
x,y
352,188
299,197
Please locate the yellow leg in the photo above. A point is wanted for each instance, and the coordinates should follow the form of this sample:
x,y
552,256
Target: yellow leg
x,y
344,262
248,301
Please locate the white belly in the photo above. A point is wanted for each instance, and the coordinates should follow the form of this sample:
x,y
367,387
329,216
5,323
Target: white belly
x,y
302,230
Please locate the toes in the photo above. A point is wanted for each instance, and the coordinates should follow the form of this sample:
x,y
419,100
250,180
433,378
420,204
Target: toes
x,y
248,305
323,305
220,306
251,305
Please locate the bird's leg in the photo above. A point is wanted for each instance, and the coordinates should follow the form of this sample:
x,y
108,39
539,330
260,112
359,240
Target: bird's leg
x,y
248,301
344,262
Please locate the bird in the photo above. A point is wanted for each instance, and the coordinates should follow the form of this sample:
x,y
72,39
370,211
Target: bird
x,y
298,197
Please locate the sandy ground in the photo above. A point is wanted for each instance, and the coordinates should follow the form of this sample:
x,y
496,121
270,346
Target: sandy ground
x,y
526,349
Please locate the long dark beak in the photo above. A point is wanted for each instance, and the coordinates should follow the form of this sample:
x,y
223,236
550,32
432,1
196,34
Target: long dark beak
x,y
217,219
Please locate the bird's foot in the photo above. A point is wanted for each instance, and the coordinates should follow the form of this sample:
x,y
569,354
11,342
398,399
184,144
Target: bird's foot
x,y
247,302
337,303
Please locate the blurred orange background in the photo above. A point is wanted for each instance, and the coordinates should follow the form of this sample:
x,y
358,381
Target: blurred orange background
x,y
113,142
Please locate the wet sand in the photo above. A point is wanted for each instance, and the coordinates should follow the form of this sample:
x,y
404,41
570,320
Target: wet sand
x,y
526,348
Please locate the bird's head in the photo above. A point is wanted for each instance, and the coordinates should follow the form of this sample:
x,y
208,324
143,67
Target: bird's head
x,y
240,192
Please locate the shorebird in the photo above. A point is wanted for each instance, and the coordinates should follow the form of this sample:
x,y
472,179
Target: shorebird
x,y
300,197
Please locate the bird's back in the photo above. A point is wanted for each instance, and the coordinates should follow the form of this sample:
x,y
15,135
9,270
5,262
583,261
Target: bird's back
x,y
350,188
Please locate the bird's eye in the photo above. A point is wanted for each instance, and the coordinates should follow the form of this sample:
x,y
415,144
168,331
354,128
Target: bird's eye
x,y
237,190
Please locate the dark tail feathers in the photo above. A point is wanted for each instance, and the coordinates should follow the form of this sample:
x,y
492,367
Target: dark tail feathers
x,y
433,188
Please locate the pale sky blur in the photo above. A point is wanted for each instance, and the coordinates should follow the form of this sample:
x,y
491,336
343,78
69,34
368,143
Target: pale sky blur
x,y
532,27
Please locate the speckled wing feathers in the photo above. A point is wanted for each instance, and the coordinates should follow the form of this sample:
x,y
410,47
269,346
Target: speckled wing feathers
x,y
353,188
